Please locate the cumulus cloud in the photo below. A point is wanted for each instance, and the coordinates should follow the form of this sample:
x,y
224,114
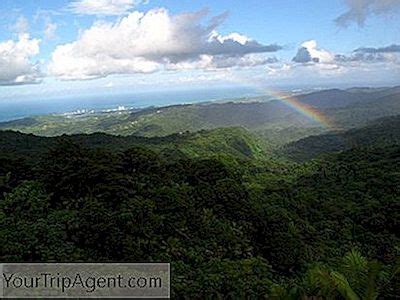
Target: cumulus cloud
x,y
358,57
214,62
303,56
152,41
310,53
388,49
304,72
359,10
311,60
103,7
16,66
389,54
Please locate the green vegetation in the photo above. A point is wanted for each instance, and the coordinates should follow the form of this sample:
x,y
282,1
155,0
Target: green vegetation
x,y
235,222
245,199
271,120
379,132
235,143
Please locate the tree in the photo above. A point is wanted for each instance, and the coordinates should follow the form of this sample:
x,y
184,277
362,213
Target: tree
x,y
354,278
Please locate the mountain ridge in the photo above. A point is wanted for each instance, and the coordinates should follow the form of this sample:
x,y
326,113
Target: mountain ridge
x,y
272,120
384,131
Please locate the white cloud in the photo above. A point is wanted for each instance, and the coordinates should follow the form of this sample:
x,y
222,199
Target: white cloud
x,y
153,41
305,71
16,66
328,74
103,7
309,52
313,62
214,62
359,57
388,49
21,25
50,30
359,10
369,55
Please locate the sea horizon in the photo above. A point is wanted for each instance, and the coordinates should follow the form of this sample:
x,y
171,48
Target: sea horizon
x,y
18,109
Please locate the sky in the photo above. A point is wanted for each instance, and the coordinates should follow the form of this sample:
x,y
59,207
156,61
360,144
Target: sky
x,y
74,47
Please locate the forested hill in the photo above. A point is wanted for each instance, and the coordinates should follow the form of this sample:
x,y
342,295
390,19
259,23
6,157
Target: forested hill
x,y
335,98
231,142
270,119
233,216
327,229
385,131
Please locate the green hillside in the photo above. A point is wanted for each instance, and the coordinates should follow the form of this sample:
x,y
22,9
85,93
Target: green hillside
x,y
360,114
384,131
227,217
273,121
166,120
223,142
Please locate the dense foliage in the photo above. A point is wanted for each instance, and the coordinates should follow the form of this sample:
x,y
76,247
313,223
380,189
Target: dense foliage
x,y
233,226
379,132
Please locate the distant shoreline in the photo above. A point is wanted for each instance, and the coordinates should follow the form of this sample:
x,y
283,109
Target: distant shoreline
x,y
20,109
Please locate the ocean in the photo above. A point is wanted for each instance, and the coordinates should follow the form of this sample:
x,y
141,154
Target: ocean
x,y
11,109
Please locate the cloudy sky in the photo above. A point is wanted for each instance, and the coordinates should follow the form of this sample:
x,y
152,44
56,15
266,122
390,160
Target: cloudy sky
x,y
49,48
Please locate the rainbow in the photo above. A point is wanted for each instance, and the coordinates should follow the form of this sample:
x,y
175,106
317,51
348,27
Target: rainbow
x,y
306,110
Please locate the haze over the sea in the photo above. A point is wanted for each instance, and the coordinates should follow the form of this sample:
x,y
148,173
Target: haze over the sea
x,y
11,109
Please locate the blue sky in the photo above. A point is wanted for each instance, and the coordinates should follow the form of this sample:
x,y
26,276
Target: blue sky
x,y
49,48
